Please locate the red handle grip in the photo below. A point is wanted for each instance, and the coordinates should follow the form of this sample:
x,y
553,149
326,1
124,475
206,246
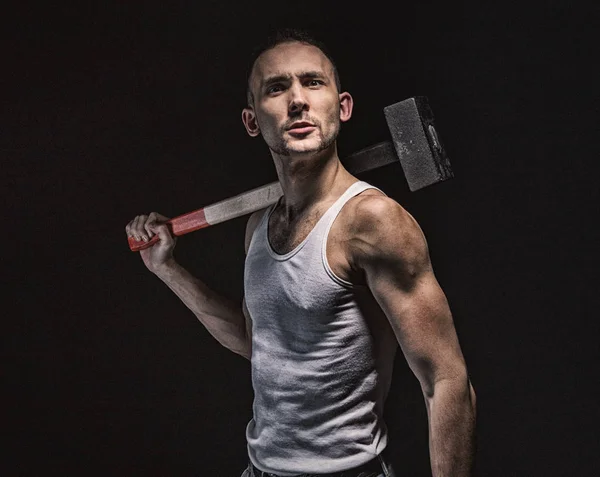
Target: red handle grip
x,y
180,225
137,245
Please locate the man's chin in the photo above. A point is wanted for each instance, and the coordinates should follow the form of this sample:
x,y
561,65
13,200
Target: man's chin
x,y
302,151
304,147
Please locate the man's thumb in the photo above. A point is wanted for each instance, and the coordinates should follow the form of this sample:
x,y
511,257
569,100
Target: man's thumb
x,y
162,230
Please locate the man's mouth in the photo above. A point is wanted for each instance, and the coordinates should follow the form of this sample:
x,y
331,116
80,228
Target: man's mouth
x,y
301,127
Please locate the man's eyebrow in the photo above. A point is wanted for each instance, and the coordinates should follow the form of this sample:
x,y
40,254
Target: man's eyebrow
x,y
278,78
312,74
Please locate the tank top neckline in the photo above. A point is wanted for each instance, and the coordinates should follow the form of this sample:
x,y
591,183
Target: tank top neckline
x,y
297,248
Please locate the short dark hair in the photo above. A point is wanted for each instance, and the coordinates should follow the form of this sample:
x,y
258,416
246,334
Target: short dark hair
x,y
285,35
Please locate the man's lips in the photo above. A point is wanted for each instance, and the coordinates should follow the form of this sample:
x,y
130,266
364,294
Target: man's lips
x,y
301,128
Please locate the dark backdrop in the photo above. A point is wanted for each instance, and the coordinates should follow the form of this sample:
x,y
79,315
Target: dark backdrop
x,y
119,108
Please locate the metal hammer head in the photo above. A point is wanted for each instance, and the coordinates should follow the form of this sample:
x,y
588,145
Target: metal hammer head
x,y
417,143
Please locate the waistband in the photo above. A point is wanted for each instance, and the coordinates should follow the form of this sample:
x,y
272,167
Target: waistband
x,y
379,463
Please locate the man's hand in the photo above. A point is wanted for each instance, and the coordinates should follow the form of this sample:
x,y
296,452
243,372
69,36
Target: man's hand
x,y
144,227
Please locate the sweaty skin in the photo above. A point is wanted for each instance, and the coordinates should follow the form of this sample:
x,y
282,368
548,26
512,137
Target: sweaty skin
x,y
297,109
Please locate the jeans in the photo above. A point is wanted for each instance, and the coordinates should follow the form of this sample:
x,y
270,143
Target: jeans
x,y
385,470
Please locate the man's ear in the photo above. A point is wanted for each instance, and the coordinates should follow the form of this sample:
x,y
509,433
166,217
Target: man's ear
x,y
346,104
249,120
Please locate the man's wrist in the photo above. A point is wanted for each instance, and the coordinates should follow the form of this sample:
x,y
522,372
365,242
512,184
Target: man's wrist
x,y
165,269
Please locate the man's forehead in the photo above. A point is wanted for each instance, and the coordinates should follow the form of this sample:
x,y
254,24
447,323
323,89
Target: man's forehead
x,y
290,58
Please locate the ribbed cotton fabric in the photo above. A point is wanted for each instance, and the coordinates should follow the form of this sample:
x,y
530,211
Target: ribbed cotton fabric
x,y
320,376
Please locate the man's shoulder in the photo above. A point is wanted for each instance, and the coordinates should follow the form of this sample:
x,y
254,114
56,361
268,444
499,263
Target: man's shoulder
x,y
255,218
376,223
372,209
251,225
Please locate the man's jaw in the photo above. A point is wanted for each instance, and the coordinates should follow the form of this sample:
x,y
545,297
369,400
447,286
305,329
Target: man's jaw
x,y
303,139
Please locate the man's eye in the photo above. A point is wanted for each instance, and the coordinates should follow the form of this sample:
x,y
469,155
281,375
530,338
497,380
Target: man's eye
x,y
315,82
276,88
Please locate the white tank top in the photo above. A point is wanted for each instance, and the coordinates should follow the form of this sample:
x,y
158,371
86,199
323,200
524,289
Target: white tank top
x,y
322,357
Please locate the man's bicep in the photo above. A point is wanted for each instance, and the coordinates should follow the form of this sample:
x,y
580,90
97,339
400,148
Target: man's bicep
x,y
423,325
395,258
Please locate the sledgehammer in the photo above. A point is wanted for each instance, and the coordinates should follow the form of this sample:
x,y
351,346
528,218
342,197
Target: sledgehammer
x,y
414,142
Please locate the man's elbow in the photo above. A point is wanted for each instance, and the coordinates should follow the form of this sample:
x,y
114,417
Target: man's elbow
x,y
465,392
245,347
472,397
456,384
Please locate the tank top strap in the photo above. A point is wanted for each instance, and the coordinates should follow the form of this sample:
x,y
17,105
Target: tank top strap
x,y
337,206
332,214
351,192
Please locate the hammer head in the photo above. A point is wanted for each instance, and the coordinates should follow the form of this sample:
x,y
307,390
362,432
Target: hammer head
x,y
417,144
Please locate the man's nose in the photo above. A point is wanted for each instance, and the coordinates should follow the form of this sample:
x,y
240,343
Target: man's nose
x,y
298,100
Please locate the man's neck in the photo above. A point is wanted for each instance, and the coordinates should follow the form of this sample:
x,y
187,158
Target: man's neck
x,y
309,179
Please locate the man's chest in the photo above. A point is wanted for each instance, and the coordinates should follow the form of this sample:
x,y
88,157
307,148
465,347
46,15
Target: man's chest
x,y
285,236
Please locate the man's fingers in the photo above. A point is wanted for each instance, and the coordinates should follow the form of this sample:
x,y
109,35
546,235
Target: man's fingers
x,y
141,227
144,227
130,228
155,225
154,219
135,228
162,231
148,226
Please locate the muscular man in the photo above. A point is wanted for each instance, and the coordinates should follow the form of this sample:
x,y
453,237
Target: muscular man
x,y
337,275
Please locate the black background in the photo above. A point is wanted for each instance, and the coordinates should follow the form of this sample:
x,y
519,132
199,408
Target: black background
x,y
112,109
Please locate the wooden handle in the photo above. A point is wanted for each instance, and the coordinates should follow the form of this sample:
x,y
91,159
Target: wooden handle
x,y
371,157
227,209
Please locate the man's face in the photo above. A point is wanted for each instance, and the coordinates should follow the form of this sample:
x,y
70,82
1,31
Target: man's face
x,y
296,102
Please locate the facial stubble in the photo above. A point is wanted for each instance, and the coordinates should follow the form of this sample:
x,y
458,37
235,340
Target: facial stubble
x,y
280,146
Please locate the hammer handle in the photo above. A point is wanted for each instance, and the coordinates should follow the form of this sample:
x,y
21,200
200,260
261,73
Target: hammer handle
x,y
414,143
242,204
366,159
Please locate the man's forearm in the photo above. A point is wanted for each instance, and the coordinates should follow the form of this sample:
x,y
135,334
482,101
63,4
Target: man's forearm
x,y
452,418
223,318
